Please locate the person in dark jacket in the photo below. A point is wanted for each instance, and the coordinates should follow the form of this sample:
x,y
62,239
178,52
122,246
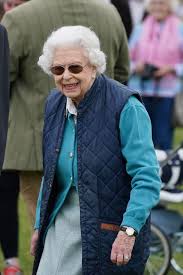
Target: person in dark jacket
x,y
9,191
123,8
4,91
100,169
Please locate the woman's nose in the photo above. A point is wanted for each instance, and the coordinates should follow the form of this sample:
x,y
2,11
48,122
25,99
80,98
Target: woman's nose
x,y
66,74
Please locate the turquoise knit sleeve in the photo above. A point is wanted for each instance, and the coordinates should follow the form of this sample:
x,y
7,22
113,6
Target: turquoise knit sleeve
x,y
38,207
142,165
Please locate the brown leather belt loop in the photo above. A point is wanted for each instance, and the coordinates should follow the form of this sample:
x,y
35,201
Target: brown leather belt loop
x,y
109,226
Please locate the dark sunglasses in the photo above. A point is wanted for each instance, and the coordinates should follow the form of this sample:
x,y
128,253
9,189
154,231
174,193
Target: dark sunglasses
x,y
74,69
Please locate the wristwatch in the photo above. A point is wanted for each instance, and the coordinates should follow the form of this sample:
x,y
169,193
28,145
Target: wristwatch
x,y
129,231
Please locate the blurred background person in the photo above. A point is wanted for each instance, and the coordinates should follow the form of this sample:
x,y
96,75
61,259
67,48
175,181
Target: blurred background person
x,y
10,4
4,91
28,27
6,5
156,50
124,11
9,191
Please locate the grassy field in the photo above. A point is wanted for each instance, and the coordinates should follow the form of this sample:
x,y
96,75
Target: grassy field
x,y
25,227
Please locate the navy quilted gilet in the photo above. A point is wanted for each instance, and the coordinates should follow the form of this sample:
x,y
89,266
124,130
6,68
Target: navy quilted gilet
x,y
103,183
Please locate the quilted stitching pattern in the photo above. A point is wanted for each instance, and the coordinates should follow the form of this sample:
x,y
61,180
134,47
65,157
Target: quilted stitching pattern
x,y
104,186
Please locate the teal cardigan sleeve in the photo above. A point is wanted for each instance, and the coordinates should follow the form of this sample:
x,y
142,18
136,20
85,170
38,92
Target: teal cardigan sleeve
x,y
38,207
142,164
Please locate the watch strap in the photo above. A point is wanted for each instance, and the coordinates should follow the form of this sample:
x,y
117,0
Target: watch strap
x,y
114,227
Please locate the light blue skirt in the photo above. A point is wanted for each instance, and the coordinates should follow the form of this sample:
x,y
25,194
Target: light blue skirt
x,y
62,254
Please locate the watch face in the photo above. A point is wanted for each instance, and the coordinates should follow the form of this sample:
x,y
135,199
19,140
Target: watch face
x,y
130,231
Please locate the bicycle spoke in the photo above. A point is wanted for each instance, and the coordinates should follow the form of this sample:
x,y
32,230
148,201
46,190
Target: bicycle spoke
x,y
160,252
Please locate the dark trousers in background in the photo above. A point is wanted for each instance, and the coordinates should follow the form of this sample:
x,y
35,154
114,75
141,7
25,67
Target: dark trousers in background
x,y
160,110
9,190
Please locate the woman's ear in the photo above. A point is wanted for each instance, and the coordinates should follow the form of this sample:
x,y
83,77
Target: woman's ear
x,y
94,73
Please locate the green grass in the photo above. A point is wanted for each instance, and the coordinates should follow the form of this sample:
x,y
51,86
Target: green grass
x,y
25,227
24,239
178,138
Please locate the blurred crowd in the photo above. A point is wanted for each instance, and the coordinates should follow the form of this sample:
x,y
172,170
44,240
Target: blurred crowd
x,y
154,66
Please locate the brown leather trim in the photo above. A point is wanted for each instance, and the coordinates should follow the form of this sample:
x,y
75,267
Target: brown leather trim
x,y
110,226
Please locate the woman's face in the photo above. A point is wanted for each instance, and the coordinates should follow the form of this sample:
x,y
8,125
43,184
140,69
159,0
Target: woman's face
x,y
160,9
73,85
10,4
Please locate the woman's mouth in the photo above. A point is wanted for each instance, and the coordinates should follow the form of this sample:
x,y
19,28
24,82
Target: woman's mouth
x,y
70,86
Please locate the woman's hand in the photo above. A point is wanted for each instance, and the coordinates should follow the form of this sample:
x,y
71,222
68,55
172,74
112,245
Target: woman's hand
x,y
122,248
163,71
34,240
139,68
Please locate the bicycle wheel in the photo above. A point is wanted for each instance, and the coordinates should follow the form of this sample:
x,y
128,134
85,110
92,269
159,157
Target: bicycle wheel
x,y
160,253
177,252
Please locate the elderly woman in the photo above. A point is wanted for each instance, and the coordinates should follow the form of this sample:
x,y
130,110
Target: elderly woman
x,y
100,170
156,48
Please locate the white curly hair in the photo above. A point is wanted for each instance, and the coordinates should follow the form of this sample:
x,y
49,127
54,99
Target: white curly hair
x,y
73,36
